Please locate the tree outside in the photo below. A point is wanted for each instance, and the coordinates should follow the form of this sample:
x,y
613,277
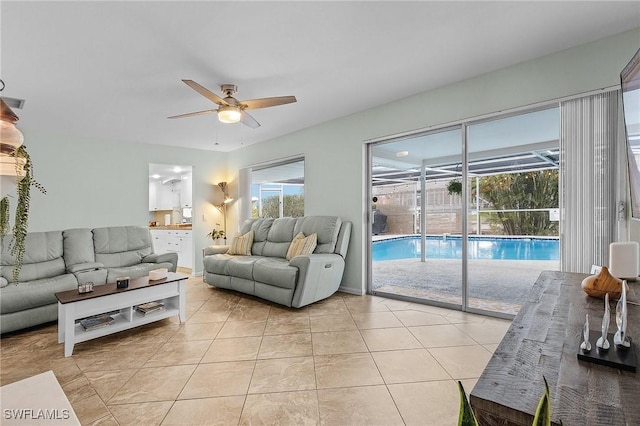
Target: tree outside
x,y
516,191
293,206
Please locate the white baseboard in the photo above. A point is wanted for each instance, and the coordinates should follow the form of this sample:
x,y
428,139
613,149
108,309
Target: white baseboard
x,y
351,291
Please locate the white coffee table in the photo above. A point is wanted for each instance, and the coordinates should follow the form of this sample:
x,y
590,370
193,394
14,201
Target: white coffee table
x,y
121,304
37,400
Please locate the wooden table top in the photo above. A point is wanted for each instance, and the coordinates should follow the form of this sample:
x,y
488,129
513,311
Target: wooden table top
x,y
110,288
543,340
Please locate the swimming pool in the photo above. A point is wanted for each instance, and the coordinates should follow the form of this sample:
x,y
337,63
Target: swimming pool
x,y
478,247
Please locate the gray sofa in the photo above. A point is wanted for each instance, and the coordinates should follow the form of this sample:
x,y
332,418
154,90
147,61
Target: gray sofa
x,y
59,260
268,275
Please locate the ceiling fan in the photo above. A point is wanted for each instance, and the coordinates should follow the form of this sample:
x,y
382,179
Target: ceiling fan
x,y
230,109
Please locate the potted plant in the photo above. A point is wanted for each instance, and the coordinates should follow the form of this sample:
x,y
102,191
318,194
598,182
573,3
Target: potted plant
x,y
454,187
216,235
24,182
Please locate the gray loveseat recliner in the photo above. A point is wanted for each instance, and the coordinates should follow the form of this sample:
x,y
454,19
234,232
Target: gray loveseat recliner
x,y
267,274
59,260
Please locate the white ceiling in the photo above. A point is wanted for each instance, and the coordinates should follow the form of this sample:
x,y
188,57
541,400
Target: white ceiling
x,y
112,70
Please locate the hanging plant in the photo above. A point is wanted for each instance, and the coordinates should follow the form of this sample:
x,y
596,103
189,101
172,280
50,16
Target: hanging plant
x,y
24,166
454,187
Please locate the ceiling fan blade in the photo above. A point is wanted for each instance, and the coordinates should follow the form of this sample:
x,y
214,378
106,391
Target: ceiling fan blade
x,y
248,120
267,102
193,114
205,92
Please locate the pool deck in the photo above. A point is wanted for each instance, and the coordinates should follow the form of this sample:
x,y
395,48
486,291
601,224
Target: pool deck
x,y
494,285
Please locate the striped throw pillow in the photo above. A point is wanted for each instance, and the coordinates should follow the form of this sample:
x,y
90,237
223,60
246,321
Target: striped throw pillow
x,y
302,246
241,244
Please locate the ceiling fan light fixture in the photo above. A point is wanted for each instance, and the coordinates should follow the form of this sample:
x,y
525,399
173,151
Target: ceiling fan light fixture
x,y
229,114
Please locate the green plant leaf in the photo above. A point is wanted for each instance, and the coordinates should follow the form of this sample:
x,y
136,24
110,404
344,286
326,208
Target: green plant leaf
x,y
543,412
466,416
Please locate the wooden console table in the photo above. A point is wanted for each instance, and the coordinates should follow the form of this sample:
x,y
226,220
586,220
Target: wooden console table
x,y
542,341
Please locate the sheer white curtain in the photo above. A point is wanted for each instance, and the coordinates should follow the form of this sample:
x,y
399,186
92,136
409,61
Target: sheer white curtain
x,y
590,141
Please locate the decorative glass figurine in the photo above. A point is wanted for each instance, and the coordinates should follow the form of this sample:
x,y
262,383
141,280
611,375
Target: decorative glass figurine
x,y
620,339
586,345
603,342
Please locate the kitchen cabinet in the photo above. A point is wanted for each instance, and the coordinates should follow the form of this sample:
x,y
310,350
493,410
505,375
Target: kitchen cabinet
x,y
186,191
161,197
175,241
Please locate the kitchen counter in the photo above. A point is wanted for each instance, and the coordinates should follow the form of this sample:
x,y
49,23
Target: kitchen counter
x,y
186,227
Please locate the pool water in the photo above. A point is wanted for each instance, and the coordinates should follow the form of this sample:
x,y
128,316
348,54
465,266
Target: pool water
x,y
478,247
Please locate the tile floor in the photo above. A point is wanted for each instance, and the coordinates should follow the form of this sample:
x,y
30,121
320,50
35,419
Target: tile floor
x,y
238,360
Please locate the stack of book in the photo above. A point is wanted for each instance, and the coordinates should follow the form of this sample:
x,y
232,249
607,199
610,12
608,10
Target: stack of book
x,y
98,321
147,308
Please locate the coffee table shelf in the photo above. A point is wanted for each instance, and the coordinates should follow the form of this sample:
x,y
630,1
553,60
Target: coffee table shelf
x,y
121,305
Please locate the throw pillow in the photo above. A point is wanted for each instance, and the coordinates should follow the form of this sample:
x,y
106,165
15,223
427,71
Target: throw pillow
x,y
241,244
302,246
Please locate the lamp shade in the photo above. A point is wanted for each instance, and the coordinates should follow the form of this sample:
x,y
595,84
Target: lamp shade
x,y
229,114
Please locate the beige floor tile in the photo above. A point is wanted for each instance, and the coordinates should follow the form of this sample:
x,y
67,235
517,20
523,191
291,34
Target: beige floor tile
x,y
90,409
21,365
413,365
332,306
428,403
436,336
344,370
242,329
491,347
462,362
204,316
336,322
154,384
215,304
366,304
388,339
108,383
487,332
456,317
207,411
283,374
219,379
282,409
233,349
177,353
278,311
287,324
360,406
108,420
78,389
250,313
195,331
368,320
436,310
141,413
338,342
285,345
411,318
120,357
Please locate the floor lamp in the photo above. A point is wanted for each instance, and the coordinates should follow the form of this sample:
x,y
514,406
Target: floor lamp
x,y
223,206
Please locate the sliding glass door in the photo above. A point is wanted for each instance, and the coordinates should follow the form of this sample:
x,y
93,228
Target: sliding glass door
x,y
466,216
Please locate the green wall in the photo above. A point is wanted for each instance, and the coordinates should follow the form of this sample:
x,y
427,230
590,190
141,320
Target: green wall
x,y
334,151
94,183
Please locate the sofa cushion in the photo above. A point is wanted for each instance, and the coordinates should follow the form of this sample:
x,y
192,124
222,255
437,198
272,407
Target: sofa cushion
x,y
279,238
242,266
241,244
42,257
217,263
36,293
275,271
78,246
302,246
120,246
327,228
260,229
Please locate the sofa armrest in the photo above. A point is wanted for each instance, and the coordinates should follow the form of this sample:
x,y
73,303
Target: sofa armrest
x,y
209,250
162,258
84,267
3,282
319,276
